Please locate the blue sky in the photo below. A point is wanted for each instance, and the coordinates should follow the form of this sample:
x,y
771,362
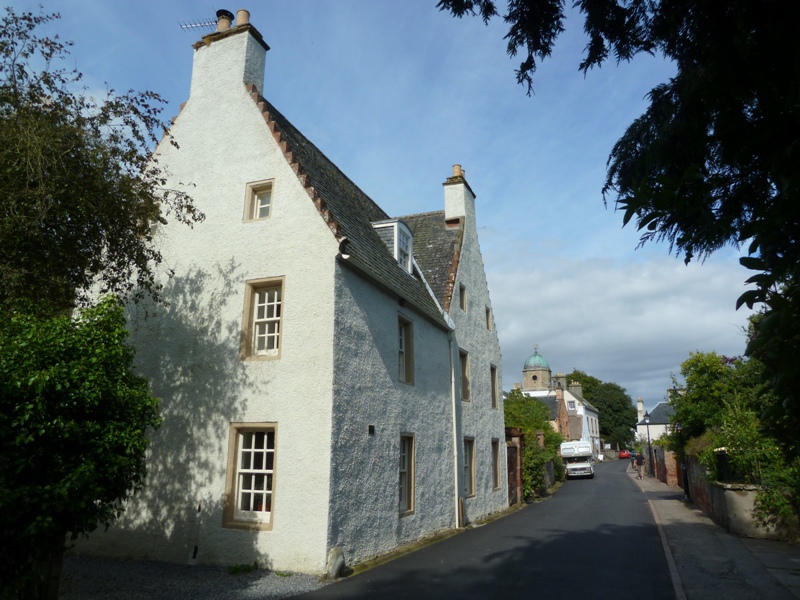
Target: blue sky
x,y
395,93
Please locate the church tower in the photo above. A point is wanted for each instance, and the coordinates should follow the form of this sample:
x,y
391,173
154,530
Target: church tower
x,y
536,372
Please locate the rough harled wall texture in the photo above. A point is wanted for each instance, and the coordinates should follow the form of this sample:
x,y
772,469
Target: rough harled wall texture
x,y
364,514
477,418
190,350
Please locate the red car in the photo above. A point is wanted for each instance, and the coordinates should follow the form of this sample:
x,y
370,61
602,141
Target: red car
x,y
624,453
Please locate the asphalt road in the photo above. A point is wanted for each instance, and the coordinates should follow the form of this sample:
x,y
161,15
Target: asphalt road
x,y
595,538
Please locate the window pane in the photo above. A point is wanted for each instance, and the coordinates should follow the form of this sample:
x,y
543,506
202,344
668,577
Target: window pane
x,y
255,477
266,320
263,202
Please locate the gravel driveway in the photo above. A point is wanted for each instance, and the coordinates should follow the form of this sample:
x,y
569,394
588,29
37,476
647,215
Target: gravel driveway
x,y
85,578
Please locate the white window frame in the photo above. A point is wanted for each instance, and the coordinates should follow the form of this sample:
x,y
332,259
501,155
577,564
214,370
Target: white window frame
x,y
402,243
405,350
250,482
463,361
571,404
263,319
406,487
469,467
254,200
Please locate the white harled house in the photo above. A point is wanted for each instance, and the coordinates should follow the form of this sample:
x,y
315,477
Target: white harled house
x,y
330,376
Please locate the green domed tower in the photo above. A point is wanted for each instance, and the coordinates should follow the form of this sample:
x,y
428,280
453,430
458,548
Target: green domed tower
x,y
536,372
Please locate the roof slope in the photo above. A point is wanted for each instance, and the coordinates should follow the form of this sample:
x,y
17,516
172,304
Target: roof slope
x,y
347,210
551,402
660,415
436,250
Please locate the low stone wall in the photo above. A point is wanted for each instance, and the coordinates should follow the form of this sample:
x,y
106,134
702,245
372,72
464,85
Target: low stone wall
x,y
730,505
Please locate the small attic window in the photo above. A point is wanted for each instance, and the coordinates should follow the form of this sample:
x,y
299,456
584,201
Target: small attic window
x,y
399,241
258,201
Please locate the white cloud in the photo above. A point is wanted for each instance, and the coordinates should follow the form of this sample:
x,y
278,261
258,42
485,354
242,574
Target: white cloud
x,y
625,322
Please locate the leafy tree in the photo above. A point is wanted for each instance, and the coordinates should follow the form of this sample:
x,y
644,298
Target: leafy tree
x,y
617,414
79,195
714,160
532,416
79,190
73,418
719,407
708,381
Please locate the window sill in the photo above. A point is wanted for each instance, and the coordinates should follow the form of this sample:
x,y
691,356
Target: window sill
x,y
259,357
248,525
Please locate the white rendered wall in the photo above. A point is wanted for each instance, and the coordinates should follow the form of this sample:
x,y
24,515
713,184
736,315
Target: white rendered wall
x,y
364,514
190,349
476,418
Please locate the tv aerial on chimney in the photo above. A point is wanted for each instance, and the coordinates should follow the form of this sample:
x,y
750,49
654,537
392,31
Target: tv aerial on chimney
x,y
205,23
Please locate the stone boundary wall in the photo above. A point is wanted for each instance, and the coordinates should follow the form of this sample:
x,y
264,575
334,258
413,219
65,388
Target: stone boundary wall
x,y
730,505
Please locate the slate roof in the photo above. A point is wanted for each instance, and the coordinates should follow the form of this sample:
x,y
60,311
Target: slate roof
x,y
586,403
348,211
660,415
551,402
436,250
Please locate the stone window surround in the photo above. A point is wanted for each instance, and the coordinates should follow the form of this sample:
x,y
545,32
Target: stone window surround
x,y
252,287
229,518
406,487
405,350
253,190
496,479
463,360
469,467
495,387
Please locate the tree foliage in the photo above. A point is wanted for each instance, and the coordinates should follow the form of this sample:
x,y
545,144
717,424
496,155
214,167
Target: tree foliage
x,y
719,408
73,418
79,190
532,416
714,161
617,414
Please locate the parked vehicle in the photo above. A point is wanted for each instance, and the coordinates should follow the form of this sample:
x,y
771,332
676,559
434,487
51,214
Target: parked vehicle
x,y
578,459
624,453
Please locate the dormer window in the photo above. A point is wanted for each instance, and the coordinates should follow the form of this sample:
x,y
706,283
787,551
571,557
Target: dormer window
x,y
397,237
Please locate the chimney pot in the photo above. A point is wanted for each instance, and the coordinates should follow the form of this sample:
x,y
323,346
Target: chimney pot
x,y
457,172
224,19
242,17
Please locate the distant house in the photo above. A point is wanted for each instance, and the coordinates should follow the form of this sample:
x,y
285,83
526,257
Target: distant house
x,y
659,420
571,414
330,375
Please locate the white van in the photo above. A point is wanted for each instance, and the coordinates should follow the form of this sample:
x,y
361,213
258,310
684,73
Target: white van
x,y
578,459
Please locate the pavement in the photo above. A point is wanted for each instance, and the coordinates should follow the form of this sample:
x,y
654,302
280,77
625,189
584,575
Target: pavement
x,y
706,562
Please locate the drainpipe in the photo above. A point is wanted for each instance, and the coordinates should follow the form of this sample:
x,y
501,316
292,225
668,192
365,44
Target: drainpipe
x,y
455,429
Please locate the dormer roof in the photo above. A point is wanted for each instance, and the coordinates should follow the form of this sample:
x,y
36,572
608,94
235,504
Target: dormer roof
x,y
437,247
